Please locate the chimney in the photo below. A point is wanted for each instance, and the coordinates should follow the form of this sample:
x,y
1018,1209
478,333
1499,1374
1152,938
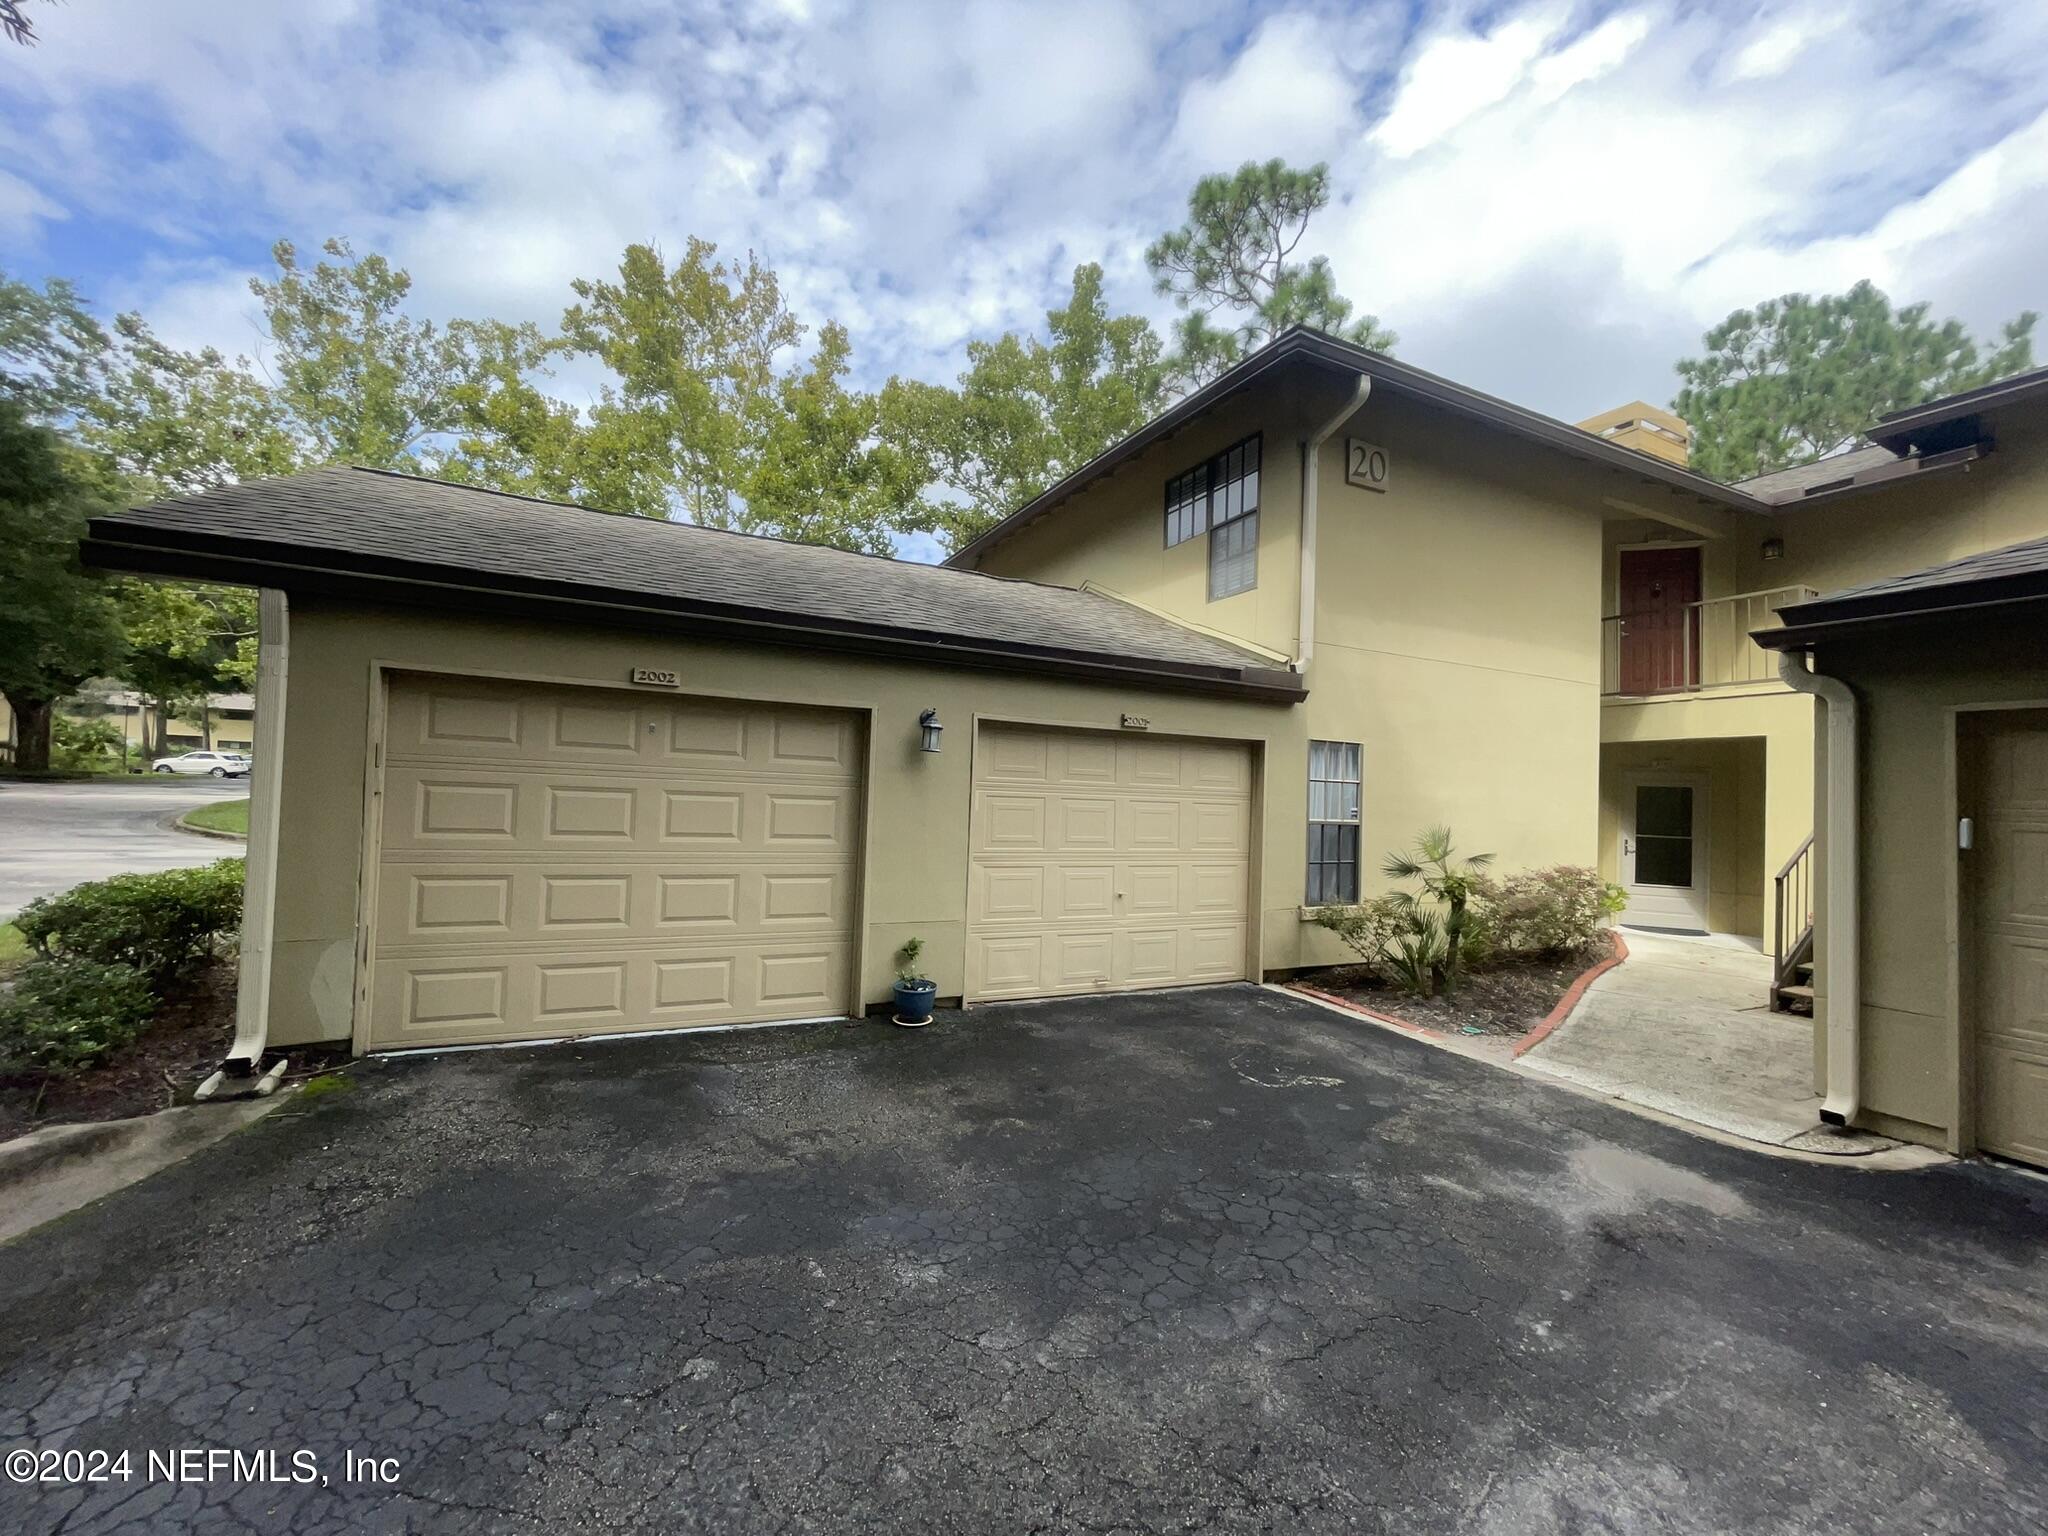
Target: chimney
x,y
1646,429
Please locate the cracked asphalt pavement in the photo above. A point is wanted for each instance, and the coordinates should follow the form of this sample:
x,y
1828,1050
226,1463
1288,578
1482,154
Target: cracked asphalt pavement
x,y
1215,1260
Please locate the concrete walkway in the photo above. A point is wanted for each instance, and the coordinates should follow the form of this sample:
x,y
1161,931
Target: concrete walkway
x,y
1683,1028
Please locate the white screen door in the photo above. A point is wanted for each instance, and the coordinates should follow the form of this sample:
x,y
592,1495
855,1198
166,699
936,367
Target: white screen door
x,y
1664,852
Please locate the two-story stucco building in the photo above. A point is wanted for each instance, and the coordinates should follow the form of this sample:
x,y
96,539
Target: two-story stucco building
x,y
528,771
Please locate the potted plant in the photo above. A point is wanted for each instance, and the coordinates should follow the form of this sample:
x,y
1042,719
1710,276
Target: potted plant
x,y
914,992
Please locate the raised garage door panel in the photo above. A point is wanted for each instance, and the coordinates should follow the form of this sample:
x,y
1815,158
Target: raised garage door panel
x,y
1106,862
2010,925
563,861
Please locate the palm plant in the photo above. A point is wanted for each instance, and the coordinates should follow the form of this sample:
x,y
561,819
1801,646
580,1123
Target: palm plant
x,y
1447,879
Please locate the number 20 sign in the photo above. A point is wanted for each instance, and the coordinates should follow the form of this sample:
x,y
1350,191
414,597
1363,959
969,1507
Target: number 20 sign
x,y
1365,464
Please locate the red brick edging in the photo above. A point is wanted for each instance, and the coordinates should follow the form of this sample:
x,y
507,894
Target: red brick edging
x,y
1577,990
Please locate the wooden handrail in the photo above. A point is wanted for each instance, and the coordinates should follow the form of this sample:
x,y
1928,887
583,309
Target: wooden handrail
x,y
1797,854
1791,918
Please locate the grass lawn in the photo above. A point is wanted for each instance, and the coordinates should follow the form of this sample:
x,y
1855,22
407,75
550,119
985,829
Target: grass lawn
x,y
221,816
13,947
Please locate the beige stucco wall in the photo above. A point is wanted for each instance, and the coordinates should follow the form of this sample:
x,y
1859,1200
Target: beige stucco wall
x,y
1457,611
915,856
1114,535
1456,641
1999,500
1765,813
1910,684
1737,893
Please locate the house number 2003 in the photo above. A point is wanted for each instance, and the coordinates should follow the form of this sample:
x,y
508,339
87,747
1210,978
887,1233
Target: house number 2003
x,y
1365,464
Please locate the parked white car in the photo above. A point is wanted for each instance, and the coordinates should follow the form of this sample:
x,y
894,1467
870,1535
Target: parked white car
x,y
220,765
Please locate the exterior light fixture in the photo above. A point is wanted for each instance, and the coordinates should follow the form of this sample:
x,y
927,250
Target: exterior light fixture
x,y
928,729
1774,549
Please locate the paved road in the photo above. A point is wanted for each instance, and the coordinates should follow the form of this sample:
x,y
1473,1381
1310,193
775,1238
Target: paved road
x,y
52,836
1217,1261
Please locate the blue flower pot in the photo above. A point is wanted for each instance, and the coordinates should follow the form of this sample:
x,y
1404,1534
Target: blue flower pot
x,y
914,1001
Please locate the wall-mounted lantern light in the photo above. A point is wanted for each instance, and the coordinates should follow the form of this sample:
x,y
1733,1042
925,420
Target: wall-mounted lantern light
x,y
928,729
1774,549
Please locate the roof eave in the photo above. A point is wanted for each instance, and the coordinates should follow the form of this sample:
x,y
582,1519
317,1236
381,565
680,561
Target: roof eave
x,y
1806,624
1303,345
1894,473
1897,430
114,544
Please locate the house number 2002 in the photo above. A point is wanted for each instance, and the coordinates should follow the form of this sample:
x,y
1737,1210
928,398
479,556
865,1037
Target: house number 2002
x,y
1365,464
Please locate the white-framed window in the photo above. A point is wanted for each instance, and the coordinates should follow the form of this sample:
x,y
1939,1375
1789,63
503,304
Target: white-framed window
x,y
1335,781
1220,497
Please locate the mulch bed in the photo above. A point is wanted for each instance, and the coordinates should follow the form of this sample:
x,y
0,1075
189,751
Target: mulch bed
x,y
1503,1001
187,1041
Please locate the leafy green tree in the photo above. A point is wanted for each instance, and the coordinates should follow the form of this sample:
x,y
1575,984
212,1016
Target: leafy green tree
x,y
1026,412
1231,268
174,423
362,382
693,348
185,643
1803,376
58,626
825,476
52,352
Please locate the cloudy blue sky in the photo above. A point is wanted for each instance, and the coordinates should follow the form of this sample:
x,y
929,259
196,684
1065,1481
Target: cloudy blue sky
x,y
1547,200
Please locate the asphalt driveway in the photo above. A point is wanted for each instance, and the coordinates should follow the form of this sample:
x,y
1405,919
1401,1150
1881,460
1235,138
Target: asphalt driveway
x,y
1218,1260
52,836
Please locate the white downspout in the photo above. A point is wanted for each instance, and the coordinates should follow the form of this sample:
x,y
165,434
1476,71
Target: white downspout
x,y
1842,940
1310,450
259,881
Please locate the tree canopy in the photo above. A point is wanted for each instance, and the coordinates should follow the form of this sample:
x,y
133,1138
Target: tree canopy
x,y
58,626
1803,376
1026,412
1230,267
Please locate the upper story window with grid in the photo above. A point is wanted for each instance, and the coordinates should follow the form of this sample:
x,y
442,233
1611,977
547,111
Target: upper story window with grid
x,y
1220,498
1335,773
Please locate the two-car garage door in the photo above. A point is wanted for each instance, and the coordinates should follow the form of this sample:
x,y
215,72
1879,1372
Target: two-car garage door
x,y
1106,862
571,860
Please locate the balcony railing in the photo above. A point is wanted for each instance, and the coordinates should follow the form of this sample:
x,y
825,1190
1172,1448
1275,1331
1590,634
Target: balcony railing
x,y
1693,647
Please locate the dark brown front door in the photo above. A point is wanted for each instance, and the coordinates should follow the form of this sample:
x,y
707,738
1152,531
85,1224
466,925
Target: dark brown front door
x,y
1660,627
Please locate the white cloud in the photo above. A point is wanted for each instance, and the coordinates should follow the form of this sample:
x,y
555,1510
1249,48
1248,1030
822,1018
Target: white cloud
x,y
1457,74
1286,94
1549,199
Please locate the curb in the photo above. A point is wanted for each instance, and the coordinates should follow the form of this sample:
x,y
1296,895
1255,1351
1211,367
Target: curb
x,y
54,1170
1363,1012
179,824
1573,993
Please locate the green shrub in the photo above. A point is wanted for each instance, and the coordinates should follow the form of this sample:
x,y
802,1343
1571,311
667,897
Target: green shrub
x,y
65,1015
79,746
158,923
1401,941
1549,911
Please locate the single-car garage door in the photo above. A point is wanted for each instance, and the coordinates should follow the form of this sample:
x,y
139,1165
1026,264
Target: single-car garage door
x,y
560,861
1106,862
2005,769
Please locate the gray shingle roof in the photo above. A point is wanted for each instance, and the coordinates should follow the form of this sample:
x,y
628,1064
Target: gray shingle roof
x,y
1790,484
358,517
2026,559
